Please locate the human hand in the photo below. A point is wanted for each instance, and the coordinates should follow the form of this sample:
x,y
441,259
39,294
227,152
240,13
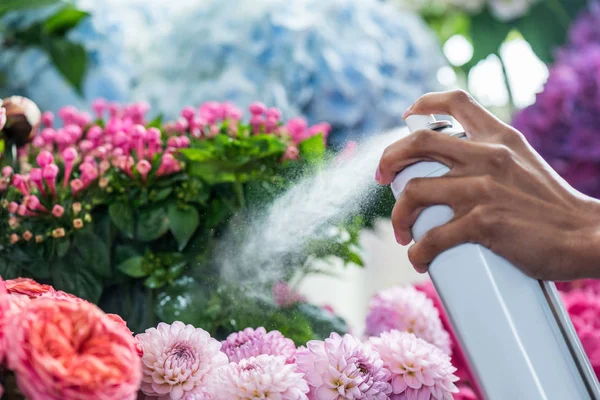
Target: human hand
x,y
503,194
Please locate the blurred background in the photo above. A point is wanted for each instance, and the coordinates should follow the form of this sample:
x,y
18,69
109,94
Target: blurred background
x,y
356,64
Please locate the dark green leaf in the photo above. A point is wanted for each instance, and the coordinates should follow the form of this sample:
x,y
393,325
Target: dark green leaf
x,y
133,267
152,224
29,261
8,269
487,34
70,60
90,252
122,216
14,5
63,21
185,301
78,281
156,122
123,253
133,302
62,247
154,282
312,149
322,321
183,223
161,194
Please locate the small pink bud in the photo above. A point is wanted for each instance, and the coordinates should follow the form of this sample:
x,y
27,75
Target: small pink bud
x,y
291,153
94,133
83,119
58,233
67,113
86,146
153,135
48,119
76,208
33,203
321,128
48,134
143,168
257,120
7,171
104,166
184,142
13,207
99,105
14,238
50,171
188,113
39,238
77,223
173,142
69,155
103,182
58,211
27,235
181,125
257,108
138,131
274,112
13,222
44,159
74,131
22,210
114,109
38,142
76,185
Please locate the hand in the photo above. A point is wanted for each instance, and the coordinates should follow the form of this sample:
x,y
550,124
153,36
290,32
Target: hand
x,y
503,194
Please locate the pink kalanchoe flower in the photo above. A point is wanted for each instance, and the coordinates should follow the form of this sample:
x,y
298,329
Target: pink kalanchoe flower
x,y
67,114
419,369
291,153
284,296
274,113
94,133
33,203
322,128
7,171
22,211
261,377
184,142
20,183
58,210
343,368
76,186
69,155
35,175
38,142
178,359
72,350
181,125
298,129
48,119
2,117
188,113
251,343
257,108
13,207
99,105
49,173
49,135
257,121
44,159
404,308
143,168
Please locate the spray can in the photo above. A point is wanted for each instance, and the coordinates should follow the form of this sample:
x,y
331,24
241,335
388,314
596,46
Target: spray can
x,y
514,331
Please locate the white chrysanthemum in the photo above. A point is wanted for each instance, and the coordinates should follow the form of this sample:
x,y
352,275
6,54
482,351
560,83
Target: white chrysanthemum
x,y
419,369
262,377
404,308
178,359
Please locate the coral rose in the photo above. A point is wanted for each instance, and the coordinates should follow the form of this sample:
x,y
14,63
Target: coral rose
x,y
27,287
71,350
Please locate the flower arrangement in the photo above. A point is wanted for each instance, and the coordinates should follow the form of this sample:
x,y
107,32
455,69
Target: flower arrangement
x,y
58,346
126,212
302,59
560,125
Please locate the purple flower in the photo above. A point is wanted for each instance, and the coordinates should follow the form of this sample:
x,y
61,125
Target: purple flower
x,y
343,368
251,343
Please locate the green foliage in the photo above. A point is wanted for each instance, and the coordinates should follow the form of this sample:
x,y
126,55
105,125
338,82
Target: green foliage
x,y
183,222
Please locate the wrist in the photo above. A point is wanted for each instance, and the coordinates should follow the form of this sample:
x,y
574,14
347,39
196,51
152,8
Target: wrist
x,y
585,253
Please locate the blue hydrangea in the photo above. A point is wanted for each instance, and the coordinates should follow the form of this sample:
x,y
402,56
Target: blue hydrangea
x,y
355,64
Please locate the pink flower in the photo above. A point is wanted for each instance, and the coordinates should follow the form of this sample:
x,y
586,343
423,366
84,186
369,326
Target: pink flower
x,y
2,117
584,308
406,309
250,343
33,203
419,369
343,368
188,113
274,113
298,129
7,171
58,211
177,359
257,108
28,287
50,172
67,114
99,105
143,168
284,296
76,186
69,155
72,350
464,393
13,207
48,119
38,142
261,377
45,158
291,153
322,128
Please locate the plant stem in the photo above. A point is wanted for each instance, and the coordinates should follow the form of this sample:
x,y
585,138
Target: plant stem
x,y
238,188
511,98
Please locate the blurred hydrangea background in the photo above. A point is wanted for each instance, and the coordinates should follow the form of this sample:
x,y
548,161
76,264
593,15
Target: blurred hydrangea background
x,y
355,64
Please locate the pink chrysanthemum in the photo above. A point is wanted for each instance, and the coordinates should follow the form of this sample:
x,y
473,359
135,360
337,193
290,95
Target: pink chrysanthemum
x,y
584,308
178,359
406,309
343,368
251,343
261,377
419,369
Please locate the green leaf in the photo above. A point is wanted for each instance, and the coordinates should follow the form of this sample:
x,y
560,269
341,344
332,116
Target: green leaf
x,y
312,149
184,301
70,60
14,5
78,281
152,224
63,21
121,215
156,122
161,194
90,252
8,270
133,302
183,223
487,34
133,267
62,247
154,282
29,261
322,321
2,145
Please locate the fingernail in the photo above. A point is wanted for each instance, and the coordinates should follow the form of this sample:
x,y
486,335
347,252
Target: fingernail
x,y
377,175
421,268
406,113
398,238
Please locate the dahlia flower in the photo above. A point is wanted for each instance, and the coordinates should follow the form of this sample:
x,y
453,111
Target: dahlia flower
x,y
261,377
343,368
178,359
406,309
584,308
419,369
251,343
67,350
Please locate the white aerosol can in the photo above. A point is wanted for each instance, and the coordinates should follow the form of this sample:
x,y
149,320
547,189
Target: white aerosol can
x,y
514,330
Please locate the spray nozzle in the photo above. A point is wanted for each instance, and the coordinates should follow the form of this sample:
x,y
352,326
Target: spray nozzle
x,y
419,122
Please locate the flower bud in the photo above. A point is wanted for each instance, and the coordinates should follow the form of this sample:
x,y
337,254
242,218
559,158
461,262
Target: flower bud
x,y
77,223
27,236
39,238
58,211
58,233
23,118
14,238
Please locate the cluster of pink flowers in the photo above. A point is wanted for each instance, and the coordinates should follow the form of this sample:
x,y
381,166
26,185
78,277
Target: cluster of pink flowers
x,y
61,347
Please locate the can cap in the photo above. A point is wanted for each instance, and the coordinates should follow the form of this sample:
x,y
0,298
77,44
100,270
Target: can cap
x,y
419,122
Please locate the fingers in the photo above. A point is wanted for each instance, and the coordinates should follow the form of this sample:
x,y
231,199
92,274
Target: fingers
x,y
420,146
476,120
457,193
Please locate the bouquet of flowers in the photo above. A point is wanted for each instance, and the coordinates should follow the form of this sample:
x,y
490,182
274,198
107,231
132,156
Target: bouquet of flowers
x,y
56,346
127,213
